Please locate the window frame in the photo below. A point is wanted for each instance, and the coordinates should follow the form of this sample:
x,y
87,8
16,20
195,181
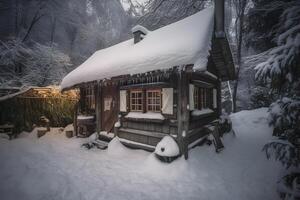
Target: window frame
x,y
144,99
203,98
90,98
136,91
153,105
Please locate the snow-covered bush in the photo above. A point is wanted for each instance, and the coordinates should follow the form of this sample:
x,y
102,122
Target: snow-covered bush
x,y
284,115
261,97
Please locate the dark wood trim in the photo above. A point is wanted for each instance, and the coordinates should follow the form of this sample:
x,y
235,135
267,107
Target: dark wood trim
x,y
199,117
145,85
202,84
219,99
98,106
182,112
144,100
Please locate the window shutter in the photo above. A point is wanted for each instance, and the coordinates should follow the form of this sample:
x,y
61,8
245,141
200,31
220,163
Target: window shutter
x,y
123,101
215,98
167,101
191,96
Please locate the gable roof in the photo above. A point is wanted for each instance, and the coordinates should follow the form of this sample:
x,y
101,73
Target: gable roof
x,y
187,41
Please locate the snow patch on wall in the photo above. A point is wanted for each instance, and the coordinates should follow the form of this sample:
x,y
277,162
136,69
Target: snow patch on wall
x,y
147,115
201,112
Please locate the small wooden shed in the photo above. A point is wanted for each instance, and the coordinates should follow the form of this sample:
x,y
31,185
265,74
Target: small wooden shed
x,y
162,82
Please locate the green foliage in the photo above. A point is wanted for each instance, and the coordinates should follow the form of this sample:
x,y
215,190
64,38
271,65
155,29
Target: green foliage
x,y
25,112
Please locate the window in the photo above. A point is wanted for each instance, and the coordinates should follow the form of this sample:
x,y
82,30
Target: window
x,y
196,98
153,100
202,98
90,98
136,100
148,100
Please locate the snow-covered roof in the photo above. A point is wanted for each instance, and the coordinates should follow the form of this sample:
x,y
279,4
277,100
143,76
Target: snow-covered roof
x,y
187,41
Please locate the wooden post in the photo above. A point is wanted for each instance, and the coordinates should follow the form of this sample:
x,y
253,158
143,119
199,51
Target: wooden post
x,y
97,105
182,112
185,111
75,119
219,99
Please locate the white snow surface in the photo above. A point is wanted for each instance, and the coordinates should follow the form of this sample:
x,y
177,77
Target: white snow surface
x,y
55,167
167,147
187,41
85,117
147,115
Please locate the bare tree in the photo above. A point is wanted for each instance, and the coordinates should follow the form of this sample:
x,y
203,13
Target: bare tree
x,y
240,9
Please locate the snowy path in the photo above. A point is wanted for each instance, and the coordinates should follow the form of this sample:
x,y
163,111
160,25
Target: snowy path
x,y
54,167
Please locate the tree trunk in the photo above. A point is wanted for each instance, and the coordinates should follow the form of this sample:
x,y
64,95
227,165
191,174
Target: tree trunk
x,y
240,6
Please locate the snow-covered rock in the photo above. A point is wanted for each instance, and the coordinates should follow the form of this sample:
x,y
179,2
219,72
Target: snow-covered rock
x,y
167,147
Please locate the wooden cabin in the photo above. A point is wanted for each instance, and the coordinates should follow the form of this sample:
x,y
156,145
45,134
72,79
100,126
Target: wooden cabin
x,y
161,82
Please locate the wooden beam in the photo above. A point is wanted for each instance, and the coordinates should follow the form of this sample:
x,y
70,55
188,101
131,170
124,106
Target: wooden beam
x,y
182,112
219,99
97,104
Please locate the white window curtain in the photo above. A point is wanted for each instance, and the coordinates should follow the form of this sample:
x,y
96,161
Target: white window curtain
x,y
215,98
167,101
191,97
123,101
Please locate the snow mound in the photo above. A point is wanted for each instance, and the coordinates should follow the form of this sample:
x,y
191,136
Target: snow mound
x,y
187,41
167,147
115,147
93,137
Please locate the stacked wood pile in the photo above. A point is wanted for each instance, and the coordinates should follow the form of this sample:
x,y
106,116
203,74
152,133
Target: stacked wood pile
x,y
26,109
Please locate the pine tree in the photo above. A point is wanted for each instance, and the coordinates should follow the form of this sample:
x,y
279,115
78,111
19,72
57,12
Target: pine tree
x,y
280,67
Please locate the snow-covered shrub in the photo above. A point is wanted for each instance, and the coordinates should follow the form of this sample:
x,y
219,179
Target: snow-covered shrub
x,y
167,149
261,97
289,184
284,115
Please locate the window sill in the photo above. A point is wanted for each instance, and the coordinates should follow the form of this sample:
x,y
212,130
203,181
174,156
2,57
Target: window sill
x,y
200,114
205,111
148,116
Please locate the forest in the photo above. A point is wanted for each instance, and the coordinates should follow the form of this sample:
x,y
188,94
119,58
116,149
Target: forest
x,y
41,41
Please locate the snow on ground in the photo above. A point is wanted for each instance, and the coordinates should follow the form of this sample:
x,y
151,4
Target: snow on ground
x,y
54,167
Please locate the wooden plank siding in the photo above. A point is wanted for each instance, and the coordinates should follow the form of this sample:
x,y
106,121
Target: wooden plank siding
x,y
180,122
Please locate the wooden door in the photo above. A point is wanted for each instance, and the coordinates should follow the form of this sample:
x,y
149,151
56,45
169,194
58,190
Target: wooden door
x,y
110,107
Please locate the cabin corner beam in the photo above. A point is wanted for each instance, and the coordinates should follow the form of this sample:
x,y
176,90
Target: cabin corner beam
x,y
182,112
